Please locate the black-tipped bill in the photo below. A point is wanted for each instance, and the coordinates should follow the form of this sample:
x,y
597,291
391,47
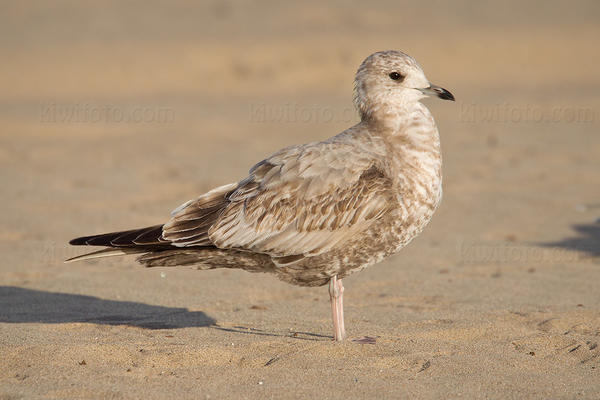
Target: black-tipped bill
x,y
440,92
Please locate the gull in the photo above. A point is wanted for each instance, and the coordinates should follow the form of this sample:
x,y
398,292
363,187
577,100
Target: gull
x,y
313,214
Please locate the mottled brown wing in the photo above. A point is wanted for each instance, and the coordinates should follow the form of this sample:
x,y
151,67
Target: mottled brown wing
x,y
190,222
301,201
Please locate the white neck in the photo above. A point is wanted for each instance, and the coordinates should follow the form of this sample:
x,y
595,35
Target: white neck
x,y
415,143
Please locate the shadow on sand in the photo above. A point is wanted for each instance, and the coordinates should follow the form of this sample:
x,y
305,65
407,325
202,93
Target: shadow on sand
x,y
587,241
19,305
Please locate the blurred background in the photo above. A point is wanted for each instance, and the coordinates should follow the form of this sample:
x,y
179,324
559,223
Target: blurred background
x,y
113,113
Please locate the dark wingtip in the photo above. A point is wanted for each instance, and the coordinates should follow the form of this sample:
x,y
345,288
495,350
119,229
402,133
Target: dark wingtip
x,y
149,235
80,241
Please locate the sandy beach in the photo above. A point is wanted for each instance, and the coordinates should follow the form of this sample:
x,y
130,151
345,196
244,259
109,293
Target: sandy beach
x,y
112,114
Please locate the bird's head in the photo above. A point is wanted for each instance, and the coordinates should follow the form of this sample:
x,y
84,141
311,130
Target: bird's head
x,y
389,80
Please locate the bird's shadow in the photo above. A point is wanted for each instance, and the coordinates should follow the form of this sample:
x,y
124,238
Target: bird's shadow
x,y
19,305
259,332
586,242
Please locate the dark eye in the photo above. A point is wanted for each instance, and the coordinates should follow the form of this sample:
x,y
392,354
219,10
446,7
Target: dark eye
x,y
397,76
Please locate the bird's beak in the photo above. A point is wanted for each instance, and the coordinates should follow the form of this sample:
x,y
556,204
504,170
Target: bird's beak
x,y
440,92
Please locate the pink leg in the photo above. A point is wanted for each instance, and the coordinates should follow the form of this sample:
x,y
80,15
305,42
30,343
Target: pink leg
x,y
341,308
336,297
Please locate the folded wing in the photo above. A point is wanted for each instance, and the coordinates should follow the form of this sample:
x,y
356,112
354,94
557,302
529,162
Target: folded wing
x,y
301,201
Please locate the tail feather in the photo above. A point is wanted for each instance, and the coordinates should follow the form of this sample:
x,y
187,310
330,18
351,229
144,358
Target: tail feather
x,y
110,252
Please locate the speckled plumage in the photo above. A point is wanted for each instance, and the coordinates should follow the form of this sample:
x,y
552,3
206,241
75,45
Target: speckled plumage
x,y
320,210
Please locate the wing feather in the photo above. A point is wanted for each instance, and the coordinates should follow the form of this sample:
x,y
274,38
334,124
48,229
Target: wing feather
x,y
302,201
190,222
